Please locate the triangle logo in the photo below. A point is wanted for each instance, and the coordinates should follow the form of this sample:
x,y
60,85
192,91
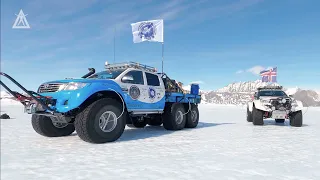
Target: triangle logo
x,y
21,21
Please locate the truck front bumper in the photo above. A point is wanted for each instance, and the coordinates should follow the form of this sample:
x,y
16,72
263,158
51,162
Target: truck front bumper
x,y
58,102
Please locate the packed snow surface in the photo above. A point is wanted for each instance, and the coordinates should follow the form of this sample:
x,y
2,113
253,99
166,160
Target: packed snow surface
x,y
223,146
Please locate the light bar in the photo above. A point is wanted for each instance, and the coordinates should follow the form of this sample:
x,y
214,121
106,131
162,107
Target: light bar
x,y
269,87
130,64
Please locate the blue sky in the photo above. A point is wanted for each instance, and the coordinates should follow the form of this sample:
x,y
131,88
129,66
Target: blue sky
x,y
214,42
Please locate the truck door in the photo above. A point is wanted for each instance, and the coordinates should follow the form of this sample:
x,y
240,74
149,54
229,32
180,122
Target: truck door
x,y
156,92
134,87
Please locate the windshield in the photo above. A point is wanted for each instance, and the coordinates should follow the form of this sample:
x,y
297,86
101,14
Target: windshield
x,y
110,74
272,93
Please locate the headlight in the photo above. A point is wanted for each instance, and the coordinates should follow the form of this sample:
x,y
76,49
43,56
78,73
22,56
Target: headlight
x,y
74,86
283,100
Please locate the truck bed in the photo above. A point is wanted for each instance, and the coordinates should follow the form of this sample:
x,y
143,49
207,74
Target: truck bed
x,y
182,98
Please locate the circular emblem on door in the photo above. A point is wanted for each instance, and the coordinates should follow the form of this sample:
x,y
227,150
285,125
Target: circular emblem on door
x,y
134,92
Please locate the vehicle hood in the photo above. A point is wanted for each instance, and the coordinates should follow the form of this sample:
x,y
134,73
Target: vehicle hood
x,y
82,81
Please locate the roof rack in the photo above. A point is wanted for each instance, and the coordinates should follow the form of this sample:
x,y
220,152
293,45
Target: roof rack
x,y
270,87
125,65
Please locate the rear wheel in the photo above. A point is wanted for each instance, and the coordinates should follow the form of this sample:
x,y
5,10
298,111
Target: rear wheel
x,y
44,126
257,117
193,117
174,117
296,119
102,121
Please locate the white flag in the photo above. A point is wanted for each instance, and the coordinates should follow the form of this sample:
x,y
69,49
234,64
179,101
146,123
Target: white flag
x,y
147,31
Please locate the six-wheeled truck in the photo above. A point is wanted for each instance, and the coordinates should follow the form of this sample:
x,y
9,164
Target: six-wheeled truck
x,y
273,102
98,106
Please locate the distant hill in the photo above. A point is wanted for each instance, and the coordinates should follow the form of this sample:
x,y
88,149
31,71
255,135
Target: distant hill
x,y
239,93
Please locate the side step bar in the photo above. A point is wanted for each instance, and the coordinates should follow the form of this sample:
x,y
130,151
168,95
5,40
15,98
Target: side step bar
x,y
21,97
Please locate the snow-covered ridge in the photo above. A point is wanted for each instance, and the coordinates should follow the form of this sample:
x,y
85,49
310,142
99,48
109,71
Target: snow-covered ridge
x,y
239,93
244,87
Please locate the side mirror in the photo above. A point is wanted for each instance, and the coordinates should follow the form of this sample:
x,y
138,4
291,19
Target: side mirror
x,y
127,78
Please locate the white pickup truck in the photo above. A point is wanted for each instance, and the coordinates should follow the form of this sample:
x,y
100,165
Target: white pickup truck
x,y
273,102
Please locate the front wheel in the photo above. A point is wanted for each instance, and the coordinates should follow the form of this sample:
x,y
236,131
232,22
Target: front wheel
x,y
257,117
102,121
44,126
249,115
296,119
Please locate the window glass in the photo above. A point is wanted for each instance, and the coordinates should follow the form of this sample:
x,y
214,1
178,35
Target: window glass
x,y
271,93
152,79
137,77
106,74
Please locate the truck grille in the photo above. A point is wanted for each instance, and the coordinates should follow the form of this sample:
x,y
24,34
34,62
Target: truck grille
x,y
50,87
279,105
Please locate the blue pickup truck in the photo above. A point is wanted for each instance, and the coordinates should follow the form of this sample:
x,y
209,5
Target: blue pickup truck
x,y
98,106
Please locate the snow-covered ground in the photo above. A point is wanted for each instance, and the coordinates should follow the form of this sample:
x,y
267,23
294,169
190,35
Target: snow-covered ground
x,y
223,146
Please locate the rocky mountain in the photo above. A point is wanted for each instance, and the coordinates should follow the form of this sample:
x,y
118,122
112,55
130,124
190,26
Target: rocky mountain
x,y
308,97
244,87
239,93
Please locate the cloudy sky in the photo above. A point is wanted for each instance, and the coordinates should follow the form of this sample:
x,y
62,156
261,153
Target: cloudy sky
x,y
213,42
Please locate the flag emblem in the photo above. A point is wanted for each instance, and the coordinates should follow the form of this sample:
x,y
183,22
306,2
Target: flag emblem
x,y
147,31
269,75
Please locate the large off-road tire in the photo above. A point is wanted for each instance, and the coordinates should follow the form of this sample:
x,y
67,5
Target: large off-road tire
x,y
174,117
296,119
257,116
137,122
44,126
101,122
279,120
192,117
155,120
249,115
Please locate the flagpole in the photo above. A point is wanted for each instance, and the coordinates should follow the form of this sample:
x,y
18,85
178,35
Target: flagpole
x,y
114,46
162,55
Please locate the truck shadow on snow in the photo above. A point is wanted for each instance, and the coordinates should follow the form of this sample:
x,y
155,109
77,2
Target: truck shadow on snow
x,y
156,131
